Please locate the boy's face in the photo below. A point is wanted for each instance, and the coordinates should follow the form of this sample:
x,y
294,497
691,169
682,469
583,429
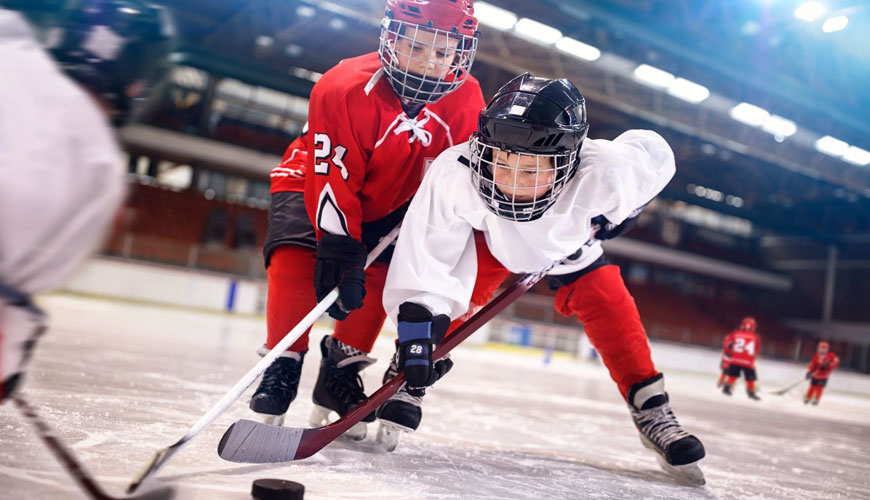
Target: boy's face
x,y
425,53
523,177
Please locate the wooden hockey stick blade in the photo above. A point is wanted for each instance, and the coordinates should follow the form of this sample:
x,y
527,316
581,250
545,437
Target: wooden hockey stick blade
x,y
161,457
69,461
247,441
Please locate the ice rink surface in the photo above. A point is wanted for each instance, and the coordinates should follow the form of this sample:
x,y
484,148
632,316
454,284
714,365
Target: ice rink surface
x,y
120,381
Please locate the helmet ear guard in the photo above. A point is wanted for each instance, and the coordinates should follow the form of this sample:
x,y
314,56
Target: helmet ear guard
x,y
531,118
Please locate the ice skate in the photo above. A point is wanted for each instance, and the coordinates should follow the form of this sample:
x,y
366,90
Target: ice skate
x,y
401,413
753,395
339,387
726,389
677,451
278,388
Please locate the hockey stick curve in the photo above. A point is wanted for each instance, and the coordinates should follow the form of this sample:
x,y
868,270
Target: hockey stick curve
x,y
247,441
72,465
164,455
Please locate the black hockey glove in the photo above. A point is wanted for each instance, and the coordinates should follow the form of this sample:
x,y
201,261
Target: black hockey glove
x,y
607,230
419,331
809,374
824,367
340,263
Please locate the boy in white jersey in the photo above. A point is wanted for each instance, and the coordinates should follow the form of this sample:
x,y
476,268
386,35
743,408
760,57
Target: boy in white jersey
x,y
517,197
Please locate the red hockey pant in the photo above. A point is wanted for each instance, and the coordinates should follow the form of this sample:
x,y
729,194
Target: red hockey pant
x,y
600,301
815,392
291,296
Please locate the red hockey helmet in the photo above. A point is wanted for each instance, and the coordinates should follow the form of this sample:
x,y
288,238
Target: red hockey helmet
x,y
823,347
427,47
748,324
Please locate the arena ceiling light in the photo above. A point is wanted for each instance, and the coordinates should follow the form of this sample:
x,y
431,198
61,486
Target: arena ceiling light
x,y
810,11
577,48
305,11
857,156
831,146
688,90
778,125
494,17
749,114
835,24
653,76
537,32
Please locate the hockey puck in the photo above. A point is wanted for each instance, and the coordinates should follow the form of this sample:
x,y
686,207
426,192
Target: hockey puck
x,y
277,489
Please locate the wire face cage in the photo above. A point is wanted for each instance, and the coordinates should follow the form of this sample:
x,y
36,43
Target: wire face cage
x,y
424,64
519,186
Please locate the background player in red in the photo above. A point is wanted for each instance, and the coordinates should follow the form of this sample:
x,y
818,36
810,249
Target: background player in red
x,y
821,366
740,350
520,196
375,122
724,366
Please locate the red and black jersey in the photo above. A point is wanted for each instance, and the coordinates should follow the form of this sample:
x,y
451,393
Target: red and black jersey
x,y
823,364
741,348
365,156
289,175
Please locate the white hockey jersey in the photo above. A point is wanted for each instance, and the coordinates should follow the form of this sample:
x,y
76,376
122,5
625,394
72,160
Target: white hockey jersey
x,y
61,175
435,261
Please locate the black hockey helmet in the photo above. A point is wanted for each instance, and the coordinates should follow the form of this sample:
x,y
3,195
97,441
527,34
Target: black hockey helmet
x,y
529,116
116,48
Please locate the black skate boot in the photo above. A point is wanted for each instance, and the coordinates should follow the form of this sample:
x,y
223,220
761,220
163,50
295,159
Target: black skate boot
x,y
726,389
752,395
278,387
677,451
401,413
339,387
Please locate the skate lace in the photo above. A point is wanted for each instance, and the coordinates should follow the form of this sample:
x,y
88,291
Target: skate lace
x,y
403,395
281,377
346,385
659,424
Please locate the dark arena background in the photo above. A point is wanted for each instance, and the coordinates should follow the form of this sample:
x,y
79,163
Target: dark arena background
x,y
765,104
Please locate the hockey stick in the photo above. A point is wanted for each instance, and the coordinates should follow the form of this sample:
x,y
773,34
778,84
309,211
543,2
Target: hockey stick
x,y
780,392
69,461
161,457
247,441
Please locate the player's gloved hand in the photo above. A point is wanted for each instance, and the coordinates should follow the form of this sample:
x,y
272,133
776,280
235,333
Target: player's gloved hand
x,y
606,230
809,374
419,331
340,263
824,366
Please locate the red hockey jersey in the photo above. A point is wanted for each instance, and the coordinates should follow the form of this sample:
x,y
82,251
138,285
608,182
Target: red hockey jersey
x,y
365,156
289,175
823,365
741,348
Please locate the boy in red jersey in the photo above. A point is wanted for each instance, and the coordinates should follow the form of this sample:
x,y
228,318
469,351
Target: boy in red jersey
x,y
375,122
821,366
740,350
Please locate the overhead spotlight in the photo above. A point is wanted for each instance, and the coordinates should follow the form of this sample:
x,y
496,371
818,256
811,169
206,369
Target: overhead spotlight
x,y
494,17
857,156
653,76
749,114
265,41
537,32
831,146
337,24
779,126
835,24
305,11
688,90
577,48
810,11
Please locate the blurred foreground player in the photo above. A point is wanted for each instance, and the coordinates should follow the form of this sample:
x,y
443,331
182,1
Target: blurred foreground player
x,y
375,122
63,179
739,351
823,363
518,197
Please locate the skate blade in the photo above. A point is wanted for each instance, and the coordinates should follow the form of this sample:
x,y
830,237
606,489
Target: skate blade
x,y
276,420
389,434
320,418
689,473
